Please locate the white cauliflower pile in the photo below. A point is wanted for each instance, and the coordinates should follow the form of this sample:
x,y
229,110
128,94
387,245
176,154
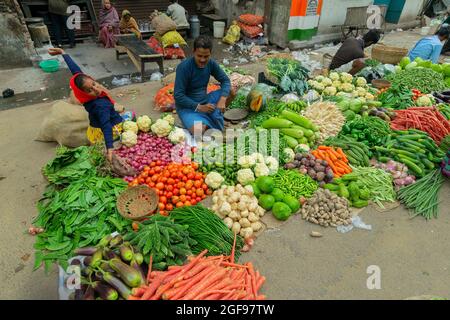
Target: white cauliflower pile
x,y
256,165
130,126
129,138
177,135
169,118
144,123
214,180
161,128
343,83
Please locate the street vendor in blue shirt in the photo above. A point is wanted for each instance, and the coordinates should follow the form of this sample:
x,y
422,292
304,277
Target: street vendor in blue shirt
x,y
429,48
197,109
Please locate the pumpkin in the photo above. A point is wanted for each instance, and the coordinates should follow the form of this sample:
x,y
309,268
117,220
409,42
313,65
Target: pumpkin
x,y
256,100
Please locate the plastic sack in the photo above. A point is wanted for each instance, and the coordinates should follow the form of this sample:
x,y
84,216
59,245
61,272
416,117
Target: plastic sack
x,y
251,31
311,96
168,53
251,19
156,76
357,223
290,97
172,38
120,81
163,24
233,35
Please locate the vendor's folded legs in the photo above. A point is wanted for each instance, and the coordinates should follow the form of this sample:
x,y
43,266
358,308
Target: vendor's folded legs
x,y
197,128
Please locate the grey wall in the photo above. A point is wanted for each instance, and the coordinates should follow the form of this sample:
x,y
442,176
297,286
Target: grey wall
x,y
227,9
16,46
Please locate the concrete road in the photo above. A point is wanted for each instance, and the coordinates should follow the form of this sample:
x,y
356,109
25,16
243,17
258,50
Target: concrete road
x,y
412,255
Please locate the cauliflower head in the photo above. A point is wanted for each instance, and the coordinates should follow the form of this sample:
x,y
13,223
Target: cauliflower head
x,y
369,96
319,78
246,161
245,176
319,87
334,76
289,154
346,77
161,128
130,126
330,91
361,82
128,138
261,169
347,87
144,123
169,118
327,82
272,164
214,180
177,136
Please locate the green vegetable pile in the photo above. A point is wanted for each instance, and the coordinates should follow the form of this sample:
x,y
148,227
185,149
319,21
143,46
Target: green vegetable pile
x,y
357,153
423,79
292,76
294,183
368,130
422,196
350,188
167,242
397,97
208,230
77,216
227,171
239,102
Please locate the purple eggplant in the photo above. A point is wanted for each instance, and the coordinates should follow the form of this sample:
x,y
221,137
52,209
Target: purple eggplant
x,y
117,284
86,251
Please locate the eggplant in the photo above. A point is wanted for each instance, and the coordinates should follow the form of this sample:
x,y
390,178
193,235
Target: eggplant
x,y
96,258
116,241
75,262
78,294
87,261
89,294
125,252
128,274
117,284
105,267
86,251
105,240
138,268
105,291
108,254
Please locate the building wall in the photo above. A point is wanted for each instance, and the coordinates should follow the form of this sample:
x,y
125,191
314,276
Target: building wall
x,y
411,9
16,46
229,10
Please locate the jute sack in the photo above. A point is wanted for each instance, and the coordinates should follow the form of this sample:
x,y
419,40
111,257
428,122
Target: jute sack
x,y
66,124
163,24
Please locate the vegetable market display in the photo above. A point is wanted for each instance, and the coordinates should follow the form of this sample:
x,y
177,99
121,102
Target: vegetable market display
x,y
290,74
342,84
425,80
368,130
326,117
357,194
317,169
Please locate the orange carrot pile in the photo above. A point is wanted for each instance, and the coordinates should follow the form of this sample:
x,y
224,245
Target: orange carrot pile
x,y
203,278
335,157
426,119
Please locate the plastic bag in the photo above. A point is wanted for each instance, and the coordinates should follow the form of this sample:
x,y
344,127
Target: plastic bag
x,y
156,76
233,35
251,31
251,19
120,81
357,223
172,38
290,97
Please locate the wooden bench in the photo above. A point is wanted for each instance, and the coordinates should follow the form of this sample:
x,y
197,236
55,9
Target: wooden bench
x,y
209,19
139,53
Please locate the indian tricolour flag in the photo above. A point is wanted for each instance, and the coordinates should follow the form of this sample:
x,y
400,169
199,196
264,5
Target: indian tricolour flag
x,y
304,19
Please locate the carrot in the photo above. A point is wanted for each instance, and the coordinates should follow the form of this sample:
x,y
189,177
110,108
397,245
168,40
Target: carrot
x,y
325,148
248,284
150,268
199,267
205,283
210,292
151,289
252,277
260,282
229,295
202,275
261,297
234,265
233,248
131,297
239,295
138,292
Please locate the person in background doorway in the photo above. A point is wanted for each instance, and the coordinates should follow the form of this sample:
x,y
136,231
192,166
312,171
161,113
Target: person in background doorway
x,y
430,47
109,24
57,10
350,56
177,13
129,25
198,110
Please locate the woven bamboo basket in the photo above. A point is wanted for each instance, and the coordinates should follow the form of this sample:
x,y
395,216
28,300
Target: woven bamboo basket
x,y
388,54
137,202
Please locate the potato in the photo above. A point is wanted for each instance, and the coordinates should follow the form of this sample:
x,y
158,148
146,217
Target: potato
x,y
242,206
260,211
244,222
234,206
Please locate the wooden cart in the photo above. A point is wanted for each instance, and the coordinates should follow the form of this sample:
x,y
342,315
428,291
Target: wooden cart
x,y
356,21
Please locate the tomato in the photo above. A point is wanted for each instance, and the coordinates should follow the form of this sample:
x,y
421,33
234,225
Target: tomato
x,y
200,192
166,174
204,186
169,187
152,185
175,199
163,199
174,174
158,169
164,213
141,180
189,192
187,204
194,149
185,171
170,181
160,193
160,185
144,174
198,176
155,178
203,196
179,204
193,202
133,184
183,198
158,162
147,168
151,172
189,184
176,191
152,164
184,179
169,194
169,207
198,199
191,176
194,165
180,184
208,192
188,198
183,191
135,226
148,180
197,184
163,179
161,206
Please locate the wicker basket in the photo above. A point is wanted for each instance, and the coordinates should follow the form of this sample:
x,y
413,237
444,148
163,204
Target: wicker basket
x,y
388,54
137,202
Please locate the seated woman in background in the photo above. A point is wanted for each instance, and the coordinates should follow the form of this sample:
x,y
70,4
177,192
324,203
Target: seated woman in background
x,y
109,24
129,25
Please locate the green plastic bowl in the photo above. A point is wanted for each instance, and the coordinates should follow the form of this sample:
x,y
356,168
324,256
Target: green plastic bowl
x,y
49,65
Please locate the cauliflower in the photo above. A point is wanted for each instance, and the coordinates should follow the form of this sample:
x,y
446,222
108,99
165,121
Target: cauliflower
x,y
342,94
361,92
161,128
319,87
311,82
272,164
261,169
347,87
258,157
346,77
246,161
334,76
360,81
144,123
130,126
327,82
369,96
128,138
176,136
170,119
214,180
424,101
245,176
355,94
337,84
330,91
289,155
319,78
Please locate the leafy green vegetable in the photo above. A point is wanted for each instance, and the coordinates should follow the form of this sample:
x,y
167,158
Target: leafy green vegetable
x,y
292,76
424,79
397,97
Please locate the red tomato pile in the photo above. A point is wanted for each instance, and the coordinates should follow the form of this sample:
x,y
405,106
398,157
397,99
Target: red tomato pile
x,y
177,184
